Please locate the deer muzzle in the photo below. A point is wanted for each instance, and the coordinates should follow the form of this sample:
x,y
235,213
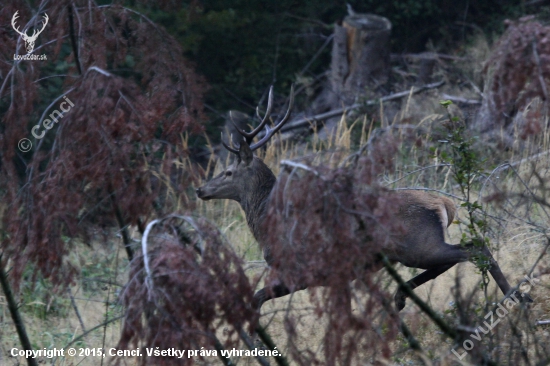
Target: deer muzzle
x,y
202,194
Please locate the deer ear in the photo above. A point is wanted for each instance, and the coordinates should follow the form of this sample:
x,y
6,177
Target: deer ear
x,y
245,154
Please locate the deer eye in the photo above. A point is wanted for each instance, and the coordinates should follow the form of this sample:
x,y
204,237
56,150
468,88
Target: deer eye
x,y
228,173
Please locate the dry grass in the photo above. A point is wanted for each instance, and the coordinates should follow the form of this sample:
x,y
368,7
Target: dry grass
x,y
517,247
50,318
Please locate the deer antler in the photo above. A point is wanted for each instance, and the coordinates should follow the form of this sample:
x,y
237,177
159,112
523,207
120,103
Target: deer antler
x,y
249,136
35,33
270,132
13,19
234,151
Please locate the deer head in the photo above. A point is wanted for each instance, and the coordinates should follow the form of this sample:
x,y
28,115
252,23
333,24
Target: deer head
x,y
248,180
29,40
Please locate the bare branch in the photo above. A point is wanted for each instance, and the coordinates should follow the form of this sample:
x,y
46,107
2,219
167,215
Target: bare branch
x,y
307,121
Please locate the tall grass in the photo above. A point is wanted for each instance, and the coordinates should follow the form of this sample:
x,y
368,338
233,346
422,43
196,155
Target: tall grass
x,y
517,227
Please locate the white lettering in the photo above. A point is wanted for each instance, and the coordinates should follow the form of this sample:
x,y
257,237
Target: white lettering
x,y
500,307
468,341
532,280
59,115
47,124
63,109
33,131
460,357
492,323
68,100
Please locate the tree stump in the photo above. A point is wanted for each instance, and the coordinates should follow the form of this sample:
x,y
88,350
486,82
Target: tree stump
x,y
360,56
427,63
360,61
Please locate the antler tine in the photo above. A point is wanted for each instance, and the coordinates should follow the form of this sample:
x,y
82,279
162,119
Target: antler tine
x,y
234,151
242,132
36,32
249,136
13,19
270,132
44,23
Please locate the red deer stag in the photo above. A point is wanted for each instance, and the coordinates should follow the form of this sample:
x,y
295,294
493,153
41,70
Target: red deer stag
x,y
424,217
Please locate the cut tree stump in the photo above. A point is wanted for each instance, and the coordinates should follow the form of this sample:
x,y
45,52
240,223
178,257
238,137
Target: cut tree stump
x,y
360,56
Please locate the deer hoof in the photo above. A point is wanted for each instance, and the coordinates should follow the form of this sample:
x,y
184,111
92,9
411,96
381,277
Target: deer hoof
x,y
400,300
524,297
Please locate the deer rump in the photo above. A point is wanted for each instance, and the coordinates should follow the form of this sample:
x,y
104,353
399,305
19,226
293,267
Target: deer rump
x,y
328,228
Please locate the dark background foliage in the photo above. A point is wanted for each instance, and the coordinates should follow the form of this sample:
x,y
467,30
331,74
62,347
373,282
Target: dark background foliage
x,y
134,96
243,46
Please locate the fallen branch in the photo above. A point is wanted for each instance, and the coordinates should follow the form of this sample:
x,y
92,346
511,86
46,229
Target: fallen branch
x,y
73,303
306,121
428,55
461,100
84,334
300,166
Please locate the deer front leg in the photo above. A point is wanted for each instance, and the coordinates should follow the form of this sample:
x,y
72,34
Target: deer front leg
x,y
268,293
274,290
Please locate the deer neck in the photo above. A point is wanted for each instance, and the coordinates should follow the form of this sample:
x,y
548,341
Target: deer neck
x,y
254,203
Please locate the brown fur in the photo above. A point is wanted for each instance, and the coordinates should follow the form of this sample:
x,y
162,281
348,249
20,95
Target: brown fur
x,y
443,206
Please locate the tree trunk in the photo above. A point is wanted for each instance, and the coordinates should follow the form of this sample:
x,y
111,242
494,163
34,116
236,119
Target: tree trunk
x,y
360,56
360,62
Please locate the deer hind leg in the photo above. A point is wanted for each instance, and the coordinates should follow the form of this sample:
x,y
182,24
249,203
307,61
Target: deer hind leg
x,y
499,278
447,257
401,298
